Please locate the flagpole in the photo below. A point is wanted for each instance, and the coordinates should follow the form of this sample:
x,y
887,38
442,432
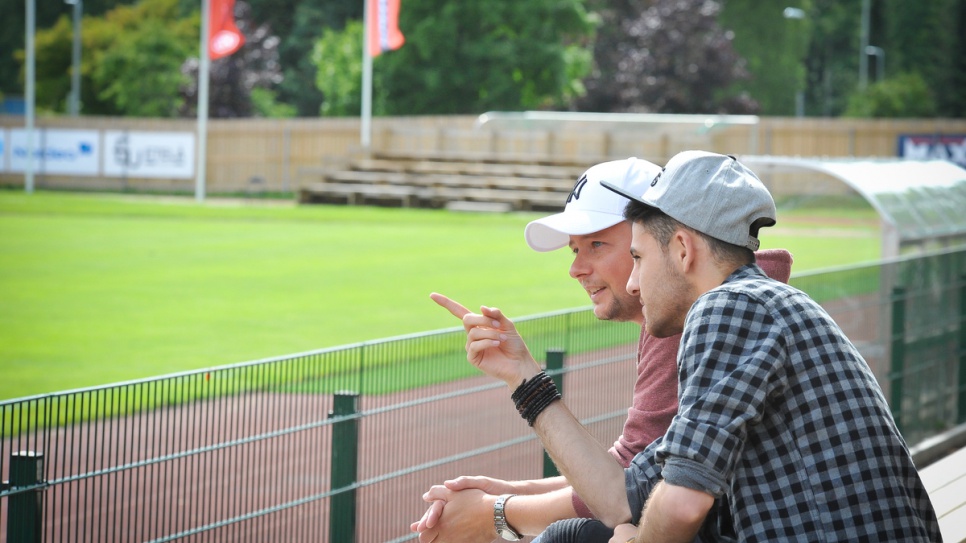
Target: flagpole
x,y
203,69
365,135
30,76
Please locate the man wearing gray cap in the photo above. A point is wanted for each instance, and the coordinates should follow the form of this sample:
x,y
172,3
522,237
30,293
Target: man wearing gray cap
x,y
593,227
782,433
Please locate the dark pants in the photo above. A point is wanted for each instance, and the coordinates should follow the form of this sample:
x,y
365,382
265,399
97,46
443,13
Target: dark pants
x,y
577,530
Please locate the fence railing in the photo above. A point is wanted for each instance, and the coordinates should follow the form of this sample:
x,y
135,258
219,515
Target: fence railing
x,y
339,444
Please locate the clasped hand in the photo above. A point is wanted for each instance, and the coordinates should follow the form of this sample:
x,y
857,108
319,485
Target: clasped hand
x,y
468,503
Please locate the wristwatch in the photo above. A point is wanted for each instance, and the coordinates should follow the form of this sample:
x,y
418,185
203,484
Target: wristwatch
x,y
499,519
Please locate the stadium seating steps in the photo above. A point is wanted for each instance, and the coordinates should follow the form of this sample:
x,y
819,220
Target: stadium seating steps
x,y
437,180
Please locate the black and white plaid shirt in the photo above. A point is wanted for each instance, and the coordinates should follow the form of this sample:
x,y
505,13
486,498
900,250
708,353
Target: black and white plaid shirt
x,y
782,421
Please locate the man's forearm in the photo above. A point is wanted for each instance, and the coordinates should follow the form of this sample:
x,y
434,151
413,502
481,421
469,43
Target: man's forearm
x,y
673,514
532,514
586,464
543,486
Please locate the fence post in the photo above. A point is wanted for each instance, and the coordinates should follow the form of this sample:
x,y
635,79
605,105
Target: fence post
x,y
898,350
555,360
25,509
961,399
345,460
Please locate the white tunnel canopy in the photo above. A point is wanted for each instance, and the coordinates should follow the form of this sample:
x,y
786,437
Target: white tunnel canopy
x,y
920,202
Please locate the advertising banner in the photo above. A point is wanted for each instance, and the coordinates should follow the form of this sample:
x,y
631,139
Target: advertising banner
x,y
56,151
4,160
149,154
951,147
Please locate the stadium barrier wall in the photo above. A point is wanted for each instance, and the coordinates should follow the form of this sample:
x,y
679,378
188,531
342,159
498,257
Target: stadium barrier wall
x,y
339,444
266,155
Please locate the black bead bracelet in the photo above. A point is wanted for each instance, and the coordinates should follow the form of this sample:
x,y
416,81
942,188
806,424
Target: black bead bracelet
x,y
533,396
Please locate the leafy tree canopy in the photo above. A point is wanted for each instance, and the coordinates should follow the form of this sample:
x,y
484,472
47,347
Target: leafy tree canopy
x,y
233,79
905,95
130,47
299,25
671,57
337,56
469,57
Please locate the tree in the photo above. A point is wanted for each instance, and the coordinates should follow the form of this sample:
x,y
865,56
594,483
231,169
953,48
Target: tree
x,y
674,58
339,71
774,49
53,60
474,56
141,75
601,93
905,95
129,45
299,25
13,28
832,58
932,46
234,79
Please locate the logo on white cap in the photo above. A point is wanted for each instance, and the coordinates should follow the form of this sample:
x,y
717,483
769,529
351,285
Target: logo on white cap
x,y
590,208
579,186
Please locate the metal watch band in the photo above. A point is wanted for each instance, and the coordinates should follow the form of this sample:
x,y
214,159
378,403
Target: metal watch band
x,y
499,519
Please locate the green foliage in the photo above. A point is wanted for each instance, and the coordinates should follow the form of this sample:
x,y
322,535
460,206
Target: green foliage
x,y
140,74
906,95
53,58
774,48
338,59
266,104
462,58
130,61
469,57
299,26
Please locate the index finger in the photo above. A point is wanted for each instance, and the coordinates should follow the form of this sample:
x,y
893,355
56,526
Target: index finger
x,y
454,307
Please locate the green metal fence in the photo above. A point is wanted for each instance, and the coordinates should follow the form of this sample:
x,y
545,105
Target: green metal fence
x,y
908,318
338,444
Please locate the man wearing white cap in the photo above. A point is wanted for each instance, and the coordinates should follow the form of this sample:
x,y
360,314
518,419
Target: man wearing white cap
x,y
782,433
593,227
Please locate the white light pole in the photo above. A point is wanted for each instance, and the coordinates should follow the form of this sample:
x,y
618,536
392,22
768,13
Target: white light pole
x,y
796,13
30,76
73,104
204,67
365,126
879,61
863,44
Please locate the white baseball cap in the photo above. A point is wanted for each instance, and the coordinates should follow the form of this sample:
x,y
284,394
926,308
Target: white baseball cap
x,y
714,194
591,207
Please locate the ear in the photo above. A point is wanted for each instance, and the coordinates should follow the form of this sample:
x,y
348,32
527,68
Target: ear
x,y
684,247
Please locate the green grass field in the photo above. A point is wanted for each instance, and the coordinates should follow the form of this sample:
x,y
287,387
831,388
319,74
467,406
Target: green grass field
x,y
99,288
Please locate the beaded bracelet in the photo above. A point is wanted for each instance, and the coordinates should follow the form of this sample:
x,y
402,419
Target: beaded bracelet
x,y
528,391
533,396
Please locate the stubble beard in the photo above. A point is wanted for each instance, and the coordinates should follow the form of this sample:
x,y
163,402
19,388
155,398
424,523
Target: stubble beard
x,y
677,303
621,310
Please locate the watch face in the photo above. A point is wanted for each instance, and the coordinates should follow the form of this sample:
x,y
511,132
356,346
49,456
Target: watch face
x,y
508,534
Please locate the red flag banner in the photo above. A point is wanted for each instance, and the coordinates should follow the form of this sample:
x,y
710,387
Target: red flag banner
x,y
384,33
224,37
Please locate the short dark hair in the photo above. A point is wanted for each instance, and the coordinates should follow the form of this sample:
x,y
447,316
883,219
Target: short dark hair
x,y
662,227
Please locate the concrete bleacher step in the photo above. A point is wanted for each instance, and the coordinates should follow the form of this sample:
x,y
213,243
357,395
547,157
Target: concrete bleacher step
x,y
442,180
456,167
480,207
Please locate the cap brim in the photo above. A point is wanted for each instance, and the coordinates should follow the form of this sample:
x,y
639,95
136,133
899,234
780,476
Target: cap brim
x,y
614,188
553,232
